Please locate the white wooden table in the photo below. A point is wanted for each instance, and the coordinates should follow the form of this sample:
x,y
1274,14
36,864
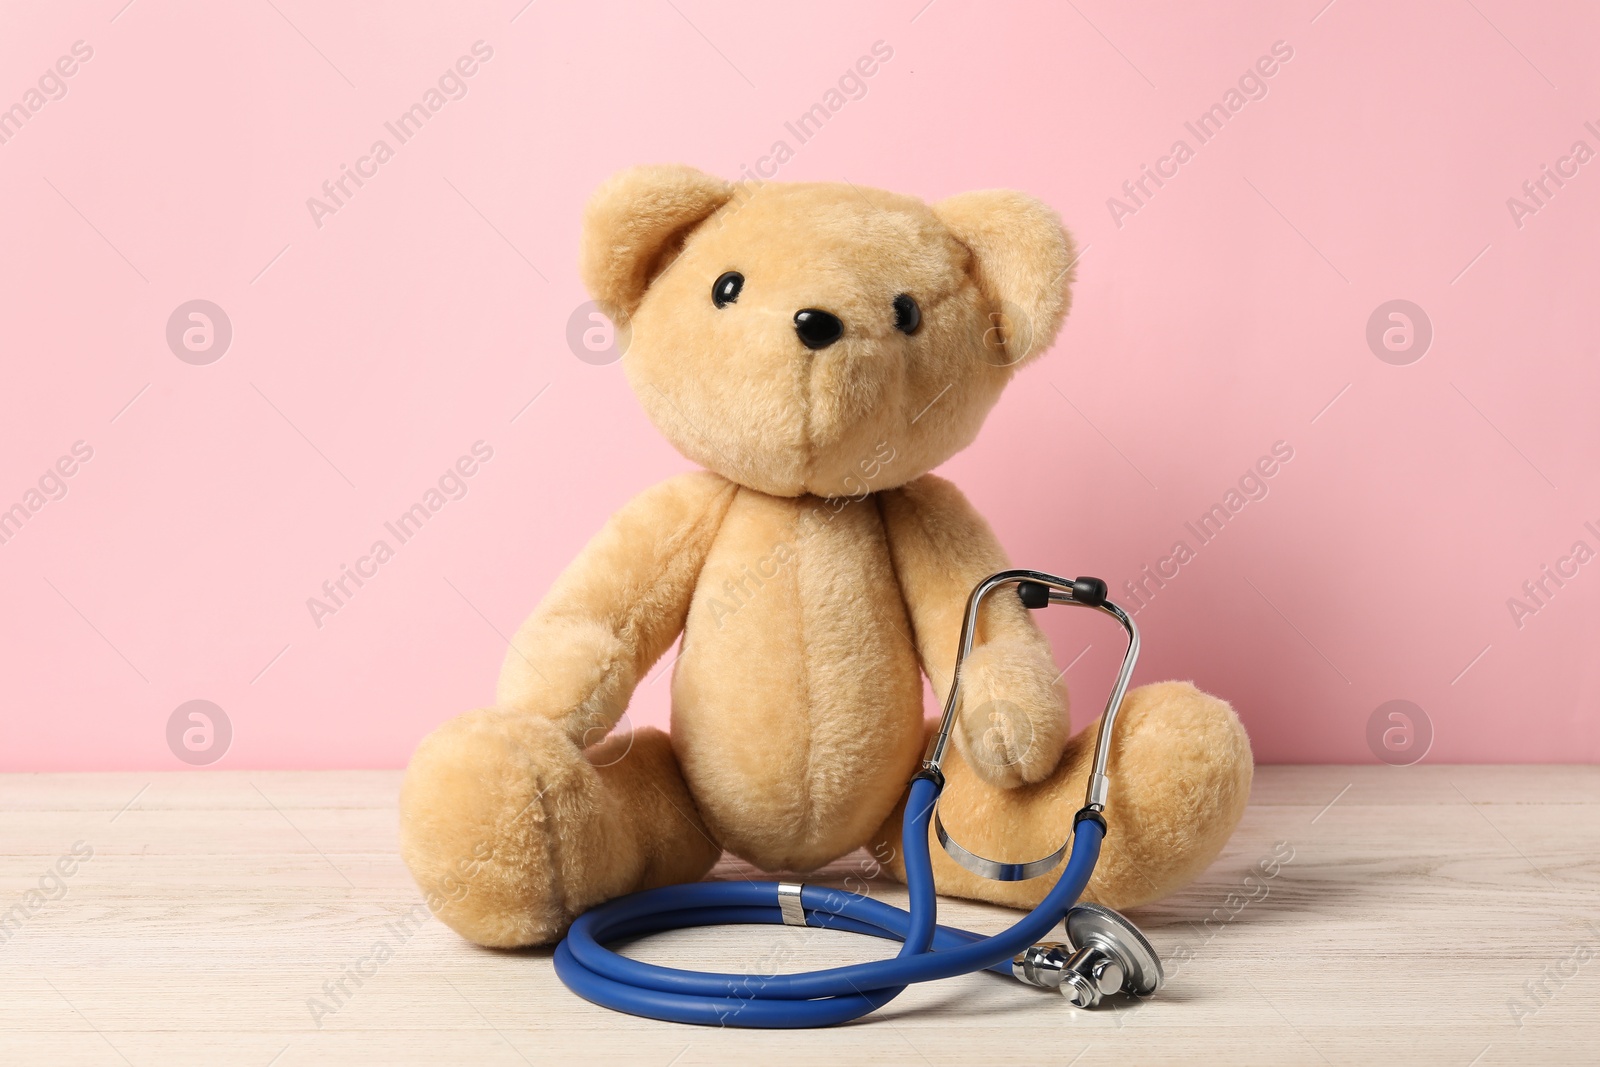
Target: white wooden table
x,y
1429,914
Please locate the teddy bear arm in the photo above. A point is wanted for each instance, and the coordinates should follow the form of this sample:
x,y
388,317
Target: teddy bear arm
x,y
516,818
1013,724
616,609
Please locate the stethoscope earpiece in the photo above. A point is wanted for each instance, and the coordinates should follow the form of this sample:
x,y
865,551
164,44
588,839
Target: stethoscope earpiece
x,y
1036,590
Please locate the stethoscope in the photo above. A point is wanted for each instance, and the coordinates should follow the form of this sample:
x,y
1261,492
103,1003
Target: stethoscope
x,y
1104,952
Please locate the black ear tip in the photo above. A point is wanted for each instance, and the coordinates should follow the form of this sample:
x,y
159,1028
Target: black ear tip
x,y
1090,591
1033,595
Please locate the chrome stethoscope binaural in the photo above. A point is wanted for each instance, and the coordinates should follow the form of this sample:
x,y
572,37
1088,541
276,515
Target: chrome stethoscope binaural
x,y
1104,952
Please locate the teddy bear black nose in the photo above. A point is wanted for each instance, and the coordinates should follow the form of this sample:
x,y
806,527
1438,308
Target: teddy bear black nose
x,y
817,329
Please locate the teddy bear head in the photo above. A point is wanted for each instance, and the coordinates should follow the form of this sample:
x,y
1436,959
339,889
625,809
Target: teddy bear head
x,y
819,338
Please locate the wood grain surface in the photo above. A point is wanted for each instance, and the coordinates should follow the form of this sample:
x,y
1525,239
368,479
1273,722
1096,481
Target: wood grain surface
x,y
1428,914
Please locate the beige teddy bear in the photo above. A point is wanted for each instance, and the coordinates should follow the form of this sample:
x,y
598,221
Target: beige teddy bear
x,y
818,349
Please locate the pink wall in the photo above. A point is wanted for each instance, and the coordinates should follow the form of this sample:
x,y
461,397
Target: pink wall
x,y
1224,313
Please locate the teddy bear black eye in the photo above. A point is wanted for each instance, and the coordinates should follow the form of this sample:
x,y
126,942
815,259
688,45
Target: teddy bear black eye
x,y
725,290
907,316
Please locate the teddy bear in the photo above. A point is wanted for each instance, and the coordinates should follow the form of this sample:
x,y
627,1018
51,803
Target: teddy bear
x,y
816,349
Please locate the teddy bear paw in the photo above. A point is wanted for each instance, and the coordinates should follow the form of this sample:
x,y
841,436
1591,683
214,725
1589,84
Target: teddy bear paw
x,y
487,802
1013,722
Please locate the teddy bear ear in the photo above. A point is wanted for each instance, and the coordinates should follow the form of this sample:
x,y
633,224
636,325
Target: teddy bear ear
x,y
635,225
1022,259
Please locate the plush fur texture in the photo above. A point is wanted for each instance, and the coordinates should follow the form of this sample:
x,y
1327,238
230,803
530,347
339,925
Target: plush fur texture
x,y
816,572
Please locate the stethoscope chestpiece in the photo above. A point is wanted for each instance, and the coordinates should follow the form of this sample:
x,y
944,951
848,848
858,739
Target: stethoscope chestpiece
x,y
1107,954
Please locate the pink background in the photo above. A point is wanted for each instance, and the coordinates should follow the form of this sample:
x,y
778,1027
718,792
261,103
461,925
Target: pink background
x,y
1228,313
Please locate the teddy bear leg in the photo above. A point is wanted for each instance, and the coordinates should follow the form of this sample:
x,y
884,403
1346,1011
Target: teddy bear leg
x,y
1180,770
512,830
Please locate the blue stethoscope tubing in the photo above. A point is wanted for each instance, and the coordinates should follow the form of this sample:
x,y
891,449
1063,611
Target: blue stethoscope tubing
x,y
928,951
819,998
